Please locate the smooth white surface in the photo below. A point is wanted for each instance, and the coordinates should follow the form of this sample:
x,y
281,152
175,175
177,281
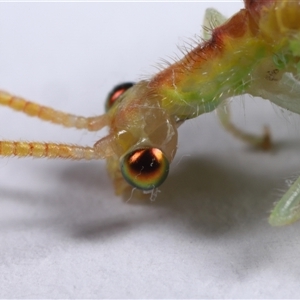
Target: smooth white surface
x,y
63,232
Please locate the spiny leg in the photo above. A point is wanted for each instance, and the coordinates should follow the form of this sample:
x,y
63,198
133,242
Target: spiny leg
x,y
287,210
263,141
51,115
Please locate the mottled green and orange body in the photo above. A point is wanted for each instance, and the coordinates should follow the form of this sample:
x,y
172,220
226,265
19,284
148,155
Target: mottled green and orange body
x,y
249,53
257,51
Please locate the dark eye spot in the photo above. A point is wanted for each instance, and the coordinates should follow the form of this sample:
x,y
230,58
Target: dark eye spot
x,y
117,91
145,168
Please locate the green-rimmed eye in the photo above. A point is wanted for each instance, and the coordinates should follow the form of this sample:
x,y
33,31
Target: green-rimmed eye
x,y
145,168
116,93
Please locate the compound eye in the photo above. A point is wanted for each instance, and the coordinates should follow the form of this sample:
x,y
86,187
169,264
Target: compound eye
x,y
145,168
114,95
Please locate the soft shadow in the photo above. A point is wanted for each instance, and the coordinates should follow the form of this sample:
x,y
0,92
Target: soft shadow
x,y
215,197
204,195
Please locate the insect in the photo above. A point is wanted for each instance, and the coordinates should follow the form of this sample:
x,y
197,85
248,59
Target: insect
x,y
256,52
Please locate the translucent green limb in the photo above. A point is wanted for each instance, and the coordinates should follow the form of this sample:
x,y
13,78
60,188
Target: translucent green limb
x,y
260,141
287,210
212,19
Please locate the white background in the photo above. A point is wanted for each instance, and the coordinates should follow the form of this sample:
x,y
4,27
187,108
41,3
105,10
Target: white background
x,y
63,232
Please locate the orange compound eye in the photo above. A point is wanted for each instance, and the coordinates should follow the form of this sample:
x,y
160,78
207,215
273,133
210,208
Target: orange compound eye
x,y
114,95
145,168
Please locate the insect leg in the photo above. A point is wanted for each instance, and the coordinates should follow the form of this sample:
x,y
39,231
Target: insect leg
x,y
50,115
287,210
263,141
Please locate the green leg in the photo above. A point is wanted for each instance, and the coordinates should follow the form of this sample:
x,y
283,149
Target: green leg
x,y
287,210
262,142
